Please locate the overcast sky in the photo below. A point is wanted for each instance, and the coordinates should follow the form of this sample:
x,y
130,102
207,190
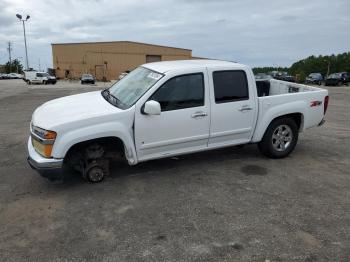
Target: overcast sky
x,y
254,32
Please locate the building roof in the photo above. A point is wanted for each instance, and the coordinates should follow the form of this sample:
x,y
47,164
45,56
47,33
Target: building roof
x,y
111,42
166,66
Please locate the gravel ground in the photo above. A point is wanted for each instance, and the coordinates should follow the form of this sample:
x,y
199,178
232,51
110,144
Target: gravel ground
x,y
224,205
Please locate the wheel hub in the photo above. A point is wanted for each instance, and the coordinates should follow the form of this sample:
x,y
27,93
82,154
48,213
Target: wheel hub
x,y
95,174
282,138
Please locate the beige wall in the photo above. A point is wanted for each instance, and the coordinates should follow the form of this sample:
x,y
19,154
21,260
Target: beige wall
x,y
108,59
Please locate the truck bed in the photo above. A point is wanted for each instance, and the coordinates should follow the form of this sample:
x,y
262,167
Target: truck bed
x,y
277,97
278,87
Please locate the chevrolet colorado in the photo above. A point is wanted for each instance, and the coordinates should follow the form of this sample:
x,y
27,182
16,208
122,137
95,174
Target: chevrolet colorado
x,y
164,109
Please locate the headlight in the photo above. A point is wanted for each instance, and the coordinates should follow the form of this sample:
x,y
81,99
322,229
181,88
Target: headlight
x,y
44,134
43,140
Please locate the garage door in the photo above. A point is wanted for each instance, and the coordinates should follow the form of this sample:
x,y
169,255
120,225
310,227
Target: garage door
x,y
153,58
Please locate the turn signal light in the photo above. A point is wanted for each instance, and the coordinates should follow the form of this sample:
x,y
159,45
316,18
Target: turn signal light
x,y
47,150
50,135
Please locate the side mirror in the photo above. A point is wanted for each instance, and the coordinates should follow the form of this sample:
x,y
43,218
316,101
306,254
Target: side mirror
x,y
152,108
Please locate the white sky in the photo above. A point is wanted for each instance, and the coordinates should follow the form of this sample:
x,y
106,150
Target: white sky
x,y
254,32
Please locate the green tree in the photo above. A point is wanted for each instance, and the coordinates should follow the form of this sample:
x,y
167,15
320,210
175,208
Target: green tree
x,y
15,67
322,64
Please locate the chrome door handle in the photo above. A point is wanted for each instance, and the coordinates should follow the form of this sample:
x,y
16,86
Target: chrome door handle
x,y
245,108
199,114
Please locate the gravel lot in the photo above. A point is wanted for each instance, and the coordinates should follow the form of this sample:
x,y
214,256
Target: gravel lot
x,y
223,205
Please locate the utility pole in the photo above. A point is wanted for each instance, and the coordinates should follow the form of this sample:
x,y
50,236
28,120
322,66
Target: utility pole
x,y
9,49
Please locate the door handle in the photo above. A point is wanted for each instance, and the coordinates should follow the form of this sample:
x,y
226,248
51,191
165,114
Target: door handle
x,y
245,108
199,114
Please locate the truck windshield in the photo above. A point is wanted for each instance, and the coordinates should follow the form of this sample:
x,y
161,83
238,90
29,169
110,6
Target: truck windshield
x,y
128,90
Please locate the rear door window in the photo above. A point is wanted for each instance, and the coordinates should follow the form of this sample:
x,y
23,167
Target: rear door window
x,y
230,86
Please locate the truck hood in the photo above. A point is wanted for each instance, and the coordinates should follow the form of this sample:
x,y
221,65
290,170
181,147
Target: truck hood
x,y
73,108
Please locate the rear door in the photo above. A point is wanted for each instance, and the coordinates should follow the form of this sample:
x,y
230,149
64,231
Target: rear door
x,y
233,107
183,125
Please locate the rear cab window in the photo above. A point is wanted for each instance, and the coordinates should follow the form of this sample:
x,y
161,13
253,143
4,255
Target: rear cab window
x,y
230,86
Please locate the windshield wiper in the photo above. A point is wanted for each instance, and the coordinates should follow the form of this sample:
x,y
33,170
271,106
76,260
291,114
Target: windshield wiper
x,y
107,94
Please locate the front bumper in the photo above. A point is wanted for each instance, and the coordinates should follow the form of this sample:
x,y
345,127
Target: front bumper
x,y
51,168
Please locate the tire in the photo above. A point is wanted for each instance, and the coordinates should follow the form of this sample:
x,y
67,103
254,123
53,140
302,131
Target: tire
x,y
280,138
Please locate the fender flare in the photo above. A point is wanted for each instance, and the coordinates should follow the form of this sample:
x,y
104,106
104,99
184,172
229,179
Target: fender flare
x,y
275,112
111,129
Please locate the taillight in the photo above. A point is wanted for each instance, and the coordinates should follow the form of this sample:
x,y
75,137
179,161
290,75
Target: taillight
x,y
325,104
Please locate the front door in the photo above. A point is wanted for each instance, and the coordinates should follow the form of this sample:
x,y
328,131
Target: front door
x,y
233,110
182,126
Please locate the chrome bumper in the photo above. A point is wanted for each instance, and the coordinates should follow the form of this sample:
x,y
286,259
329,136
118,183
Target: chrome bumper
x,y
40,163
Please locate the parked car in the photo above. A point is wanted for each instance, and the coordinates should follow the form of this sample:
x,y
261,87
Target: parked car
x,y
345,78
5,76
170,108
282,75
87,79
34,77
263,76
15,76
314,78
288,78
2,76
334,79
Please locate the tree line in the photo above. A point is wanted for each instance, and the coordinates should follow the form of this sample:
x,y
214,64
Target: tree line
x,y
14,67
313,64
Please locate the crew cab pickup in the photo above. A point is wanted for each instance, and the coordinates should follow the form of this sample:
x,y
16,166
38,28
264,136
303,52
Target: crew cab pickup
x,y
165,109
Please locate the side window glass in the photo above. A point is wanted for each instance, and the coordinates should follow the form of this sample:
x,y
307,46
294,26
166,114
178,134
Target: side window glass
x,y
230,86
181,92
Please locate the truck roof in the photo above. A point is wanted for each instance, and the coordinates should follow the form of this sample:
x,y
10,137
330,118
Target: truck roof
x,y
166,66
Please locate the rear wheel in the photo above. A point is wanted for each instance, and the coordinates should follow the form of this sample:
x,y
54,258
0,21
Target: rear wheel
x,y
280,138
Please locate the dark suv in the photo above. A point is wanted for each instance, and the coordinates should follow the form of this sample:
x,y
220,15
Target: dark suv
x,y
345,78
338,79
314,78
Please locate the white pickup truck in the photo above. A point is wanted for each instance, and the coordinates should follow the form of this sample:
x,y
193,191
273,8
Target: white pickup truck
x,y
164,109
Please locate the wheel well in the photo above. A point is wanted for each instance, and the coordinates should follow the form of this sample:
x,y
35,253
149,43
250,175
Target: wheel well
x,y
114,144
297,117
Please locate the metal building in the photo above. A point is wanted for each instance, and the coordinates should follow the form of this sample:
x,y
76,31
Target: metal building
x,y
107,60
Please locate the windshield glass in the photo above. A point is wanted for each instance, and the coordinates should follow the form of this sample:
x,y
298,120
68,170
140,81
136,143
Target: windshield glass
x,y
42,74
128,90
86,76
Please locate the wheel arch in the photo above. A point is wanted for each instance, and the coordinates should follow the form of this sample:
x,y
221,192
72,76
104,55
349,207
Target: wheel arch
x,y
298,118
113,131
109,141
